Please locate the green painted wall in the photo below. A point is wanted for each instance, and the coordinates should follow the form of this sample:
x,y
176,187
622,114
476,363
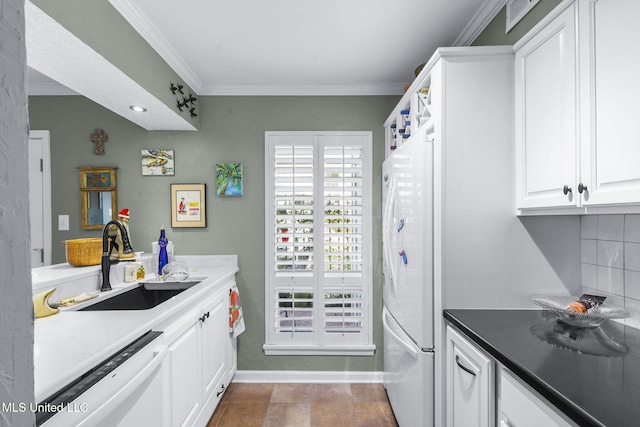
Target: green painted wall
x,y
494,34
231,130
101,27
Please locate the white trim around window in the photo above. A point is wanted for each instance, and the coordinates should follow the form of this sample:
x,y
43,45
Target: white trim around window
x,y
318,238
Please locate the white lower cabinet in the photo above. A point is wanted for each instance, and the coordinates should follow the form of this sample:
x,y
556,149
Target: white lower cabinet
x,y
201,361
470,383
215,344
521,406
481,392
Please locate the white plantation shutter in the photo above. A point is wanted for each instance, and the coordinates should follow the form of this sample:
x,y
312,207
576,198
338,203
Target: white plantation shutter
x,y
318,243
294,207
343,310
343,199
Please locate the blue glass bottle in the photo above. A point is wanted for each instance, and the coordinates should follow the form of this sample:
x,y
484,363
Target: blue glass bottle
x,y
163,258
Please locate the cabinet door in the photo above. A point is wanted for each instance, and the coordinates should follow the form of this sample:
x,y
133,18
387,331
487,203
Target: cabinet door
x,y
232,358
611,97
546,119
520,407
215,339
469,383
185,376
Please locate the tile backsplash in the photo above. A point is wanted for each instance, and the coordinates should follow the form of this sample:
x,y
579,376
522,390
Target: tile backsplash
x,y
610,260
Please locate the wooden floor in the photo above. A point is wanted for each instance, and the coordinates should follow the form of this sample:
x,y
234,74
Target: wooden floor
x,y
299,405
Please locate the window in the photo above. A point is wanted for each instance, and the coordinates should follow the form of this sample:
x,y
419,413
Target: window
x,y
318,243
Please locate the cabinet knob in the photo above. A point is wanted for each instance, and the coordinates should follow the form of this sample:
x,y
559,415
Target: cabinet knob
x,y
566,190
581,188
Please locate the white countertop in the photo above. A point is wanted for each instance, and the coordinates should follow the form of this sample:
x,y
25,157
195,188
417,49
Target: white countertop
x,y
72,342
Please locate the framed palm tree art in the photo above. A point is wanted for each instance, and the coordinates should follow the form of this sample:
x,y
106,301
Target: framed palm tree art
x,y
229,179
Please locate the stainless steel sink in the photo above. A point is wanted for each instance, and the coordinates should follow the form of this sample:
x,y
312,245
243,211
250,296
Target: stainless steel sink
x,y
142,297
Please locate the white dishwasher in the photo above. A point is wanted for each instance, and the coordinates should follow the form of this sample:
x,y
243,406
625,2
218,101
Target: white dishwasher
x,y
126,390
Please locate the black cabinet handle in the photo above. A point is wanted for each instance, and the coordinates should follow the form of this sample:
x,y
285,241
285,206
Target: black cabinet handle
x,y
220,392
464,368
566,190
581,188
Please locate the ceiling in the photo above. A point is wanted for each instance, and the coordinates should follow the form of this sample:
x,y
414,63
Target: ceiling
x,y
299,47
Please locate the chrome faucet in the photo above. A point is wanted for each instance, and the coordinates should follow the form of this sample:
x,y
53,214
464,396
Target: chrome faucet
x,y
106,250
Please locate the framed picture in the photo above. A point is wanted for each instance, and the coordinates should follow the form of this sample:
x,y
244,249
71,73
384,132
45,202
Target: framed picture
x,y
229,179
157,162
188,205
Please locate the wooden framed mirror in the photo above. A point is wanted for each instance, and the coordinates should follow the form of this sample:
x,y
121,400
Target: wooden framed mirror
x,y
98,196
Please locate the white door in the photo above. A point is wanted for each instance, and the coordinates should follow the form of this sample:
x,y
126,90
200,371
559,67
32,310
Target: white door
x,y
545,113
40,197
610,68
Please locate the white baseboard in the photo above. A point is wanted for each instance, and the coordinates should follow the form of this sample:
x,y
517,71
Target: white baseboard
x,y
307,377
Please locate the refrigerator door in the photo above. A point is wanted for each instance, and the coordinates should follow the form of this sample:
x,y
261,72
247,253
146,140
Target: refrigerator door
x,y
408,239
388,203
408,376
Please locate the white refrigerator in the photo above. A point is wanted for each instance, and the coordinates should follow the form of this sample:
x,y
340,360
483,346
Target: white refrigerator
x,y
451,237
408,319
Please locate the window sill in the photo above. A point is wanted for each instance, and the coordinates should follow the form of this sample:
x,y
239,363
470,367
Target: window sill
x,y
314,350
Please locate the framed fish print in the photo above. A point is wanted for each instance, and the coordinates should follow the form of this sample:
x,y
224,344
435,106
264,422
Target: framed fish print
x,y
188,205
158,162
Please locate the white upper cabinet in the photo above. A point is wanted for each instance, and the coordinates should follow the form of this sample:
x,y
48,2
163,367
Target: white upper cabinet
x,y
576,105
610,101
546,119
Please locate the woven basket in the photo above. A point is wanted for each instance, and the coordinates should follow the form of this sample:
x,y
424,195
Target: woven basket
x,y
83,252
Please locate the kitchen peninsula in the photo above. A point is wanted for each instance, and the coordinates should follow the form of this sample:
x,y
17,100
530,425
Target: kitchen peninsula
x,y
194,346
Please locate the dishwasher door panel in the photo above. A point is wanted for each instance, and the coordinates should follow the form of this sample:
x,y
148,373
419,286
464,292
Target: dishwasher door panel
x,y
131,395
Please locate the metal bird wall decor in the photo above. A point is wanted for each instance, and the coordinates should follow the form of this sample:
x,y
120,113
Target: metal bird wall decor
x,y
186,101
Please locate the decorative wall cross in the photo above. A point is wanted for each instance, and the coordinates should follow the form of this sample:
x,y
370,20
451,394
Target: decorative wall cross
x,y
99,137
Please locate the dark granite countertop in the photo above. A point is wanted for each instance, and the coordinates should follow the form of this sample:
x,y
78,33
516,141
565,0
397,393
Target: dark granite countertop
x,y
592,375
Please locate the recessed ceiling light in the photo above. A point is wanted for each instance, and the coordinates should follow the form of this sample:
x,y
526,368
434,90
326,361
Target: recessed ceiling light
x,y
137,108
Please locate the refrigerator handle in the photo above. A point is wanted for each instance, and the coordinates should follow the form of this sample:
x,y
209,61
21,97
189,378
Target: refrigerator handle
x,y
387,230
408,348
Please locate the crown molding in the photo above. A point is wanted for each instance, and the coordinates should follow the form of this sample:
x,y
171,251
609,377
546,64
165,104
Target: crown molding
x,y
156,40
152,35
304,90
54,51
479,22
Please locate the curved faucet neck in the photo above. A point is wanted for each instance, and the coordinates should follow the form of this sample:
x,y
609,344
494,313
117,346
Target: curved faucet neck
x,y
106,261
